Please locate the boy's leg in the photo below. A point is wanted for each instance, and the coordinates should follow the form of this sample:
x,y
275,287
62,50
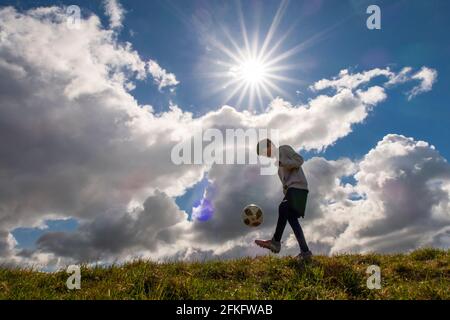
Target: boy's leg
x,y
283,213
274,244
293,221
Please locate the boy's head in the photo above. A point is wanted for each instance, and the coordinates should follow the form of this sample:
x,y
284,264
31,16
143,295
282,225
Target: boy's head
x,y
265,148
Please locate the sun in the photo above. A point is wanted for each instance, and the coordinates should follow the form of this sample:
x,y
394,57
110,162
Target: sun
x,y
248,72
251,71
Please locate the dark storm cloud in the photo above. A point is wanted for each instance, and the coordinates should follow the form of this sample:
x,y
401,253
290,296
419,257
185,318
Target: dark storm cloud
x,y
114,233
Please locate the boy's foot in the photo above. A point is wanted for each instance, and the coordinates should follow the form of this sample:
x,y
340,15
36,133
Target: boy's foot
x,y
304,256
272,245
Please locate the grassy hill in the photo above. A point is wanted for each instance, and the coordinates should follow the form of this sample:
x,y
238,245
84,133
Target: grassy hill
x,y
422,274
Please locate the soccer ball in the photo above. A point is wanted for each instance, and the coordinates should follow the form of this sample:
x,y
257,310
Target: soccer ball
x,y
252,215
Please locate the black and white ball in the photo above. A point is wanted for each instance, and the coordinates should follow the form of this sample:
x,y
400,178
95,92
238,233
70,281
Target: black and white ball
x,y
252,215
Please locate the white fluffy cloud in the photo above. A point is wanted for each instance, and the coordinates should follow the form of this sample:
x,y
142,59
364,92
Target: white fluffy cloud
x,y
426,76
161,77
115,12
347,80
404,188
76,143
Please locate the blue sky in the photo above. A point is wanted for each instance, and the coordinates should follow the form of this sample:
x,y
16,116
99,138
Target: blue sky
x,y
414,33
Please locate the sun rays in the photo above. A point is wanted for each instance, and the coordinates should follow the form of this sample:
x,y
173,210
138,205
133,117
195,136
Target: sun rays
x,y
250,72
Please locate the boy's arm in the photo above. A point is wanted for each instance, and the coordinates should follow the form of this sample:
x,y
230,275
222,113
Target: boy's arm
x,y
290,159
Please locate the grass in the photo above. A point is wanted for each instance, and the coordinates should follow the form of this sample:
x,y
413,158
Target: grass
x,y
422,274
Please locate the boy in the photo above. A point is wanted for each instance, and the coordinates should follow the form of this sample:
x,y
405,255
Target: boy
x,y
295,189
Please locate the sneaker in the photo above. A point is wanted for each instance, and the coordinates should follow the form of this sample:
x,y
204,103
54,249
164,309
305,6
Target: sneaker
x,y
272,245
304,256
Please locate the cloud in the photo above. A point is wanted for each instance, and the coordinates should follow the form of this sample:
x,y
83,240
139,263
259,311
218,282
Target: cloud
x,y
141,229
76,143
348,80
402,201
82,145
161,77
427,77
7,243
115,12
401,77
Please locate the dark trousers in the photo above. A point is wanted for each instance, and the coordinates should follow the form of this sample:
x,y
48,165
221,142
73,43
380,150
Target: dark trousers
x,y
290,210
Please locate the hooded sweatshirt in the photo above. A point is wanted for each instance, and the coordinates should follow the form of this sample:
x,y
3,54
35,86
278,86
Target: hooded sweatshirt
x,y
290,169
